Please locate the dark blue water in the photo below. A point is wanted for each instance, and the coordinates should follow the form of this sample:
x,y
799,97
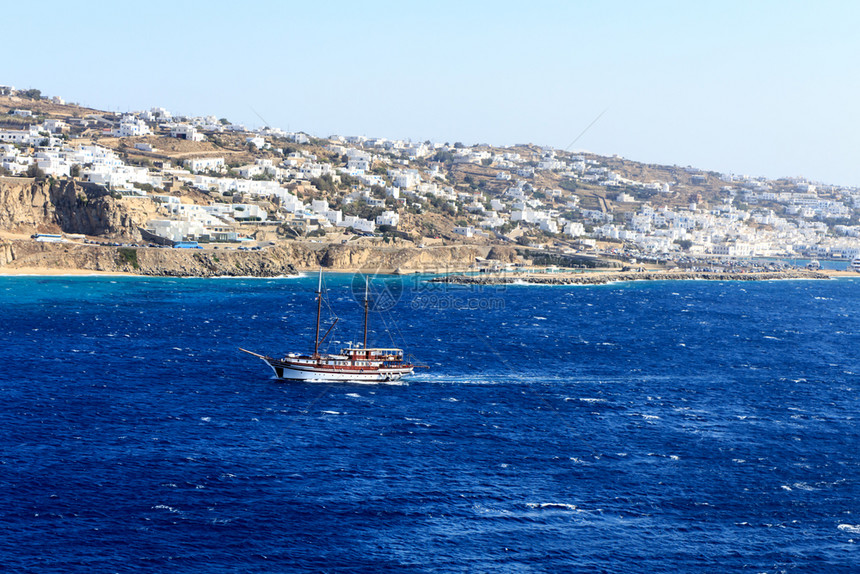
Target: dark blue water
x,y
645,427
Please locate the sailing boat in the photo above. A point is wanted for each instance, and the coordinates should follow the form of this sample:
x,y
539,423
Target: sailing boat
x,y
353,364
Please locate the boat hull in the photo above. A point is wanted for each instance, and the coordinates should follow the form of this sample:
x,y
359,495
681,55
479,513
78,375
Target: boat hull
x,y
312,374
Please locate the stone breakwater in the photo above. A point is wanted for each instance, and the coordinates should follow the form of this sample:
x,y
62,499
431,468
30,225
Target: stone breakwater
x,y
603,278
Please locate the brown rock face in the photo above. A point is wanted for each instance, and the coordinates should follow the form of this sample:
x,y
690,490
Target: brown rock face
x,y
27,205
503,253
275,261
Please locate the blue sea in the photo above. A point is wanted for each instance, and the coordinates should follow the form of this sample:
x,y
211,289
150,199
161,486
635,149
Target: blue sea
x,y
681,426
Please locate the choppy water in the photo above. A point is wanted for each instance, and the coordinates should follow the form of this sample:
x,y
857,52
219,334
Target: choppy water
x,y
660,427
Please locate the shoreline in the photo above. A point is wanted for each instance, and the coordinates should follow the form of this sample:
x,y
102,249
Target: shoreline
x,y
56,272
459,278
26,257
631,276
8,271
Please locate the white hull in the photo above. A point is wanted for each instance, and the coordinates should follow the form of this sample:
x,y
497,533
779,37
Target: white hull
x,y
314,375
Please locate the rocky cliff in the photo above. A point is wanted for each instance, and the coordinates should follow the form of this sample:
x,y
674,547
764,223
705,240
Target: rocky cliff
x,y
431,259
29,206
283,260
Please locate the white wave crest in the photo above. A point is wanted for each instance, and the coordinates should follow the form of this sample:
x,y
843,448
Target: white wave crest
x,y
554,505
164,507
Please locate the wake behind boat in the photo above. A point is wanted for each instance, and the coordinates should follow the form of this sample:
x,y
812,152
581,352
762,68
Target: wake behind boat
x,y
352,364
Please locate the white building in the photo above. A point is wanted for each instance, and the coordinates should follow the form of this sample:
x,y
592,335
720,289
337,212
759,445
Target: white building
x,y
363,225
737,249
526,172
52,162
405,179
492,220
186,132
130,126
246,211
574,229
28,136
256,141
319,206
335,216
176,230
548,225
391,218
250,170
54,126
199,164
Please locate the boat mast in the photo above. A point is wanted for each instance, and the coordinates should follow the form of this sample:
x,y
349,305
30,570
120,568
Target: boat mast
x,y
366,301
319,312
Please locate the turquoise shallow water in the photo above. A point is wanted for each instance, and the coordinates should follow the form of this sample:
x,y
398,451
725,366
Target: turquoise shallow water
x,y
666,426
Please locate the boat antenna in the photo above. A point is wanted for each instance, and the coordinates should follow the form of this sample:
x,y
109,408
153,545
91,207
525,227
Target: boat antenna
x,y
366,301
319,312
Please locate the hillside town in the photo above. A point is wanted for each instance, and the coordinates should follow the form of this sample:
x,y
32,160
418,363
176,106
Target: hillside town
x,y
212,182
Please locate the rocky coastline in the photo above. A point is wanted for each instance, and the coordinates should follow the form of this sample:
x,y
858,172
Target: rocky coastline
x,y
602,278
287,259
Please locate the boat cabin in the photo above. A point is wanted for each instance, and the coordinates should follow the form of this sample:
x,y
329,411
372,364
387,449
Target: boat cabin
x,y
373,354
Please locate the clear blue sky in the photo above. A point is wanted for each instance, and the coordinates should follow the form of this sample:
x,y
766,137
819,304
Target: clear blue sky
x,y
763,88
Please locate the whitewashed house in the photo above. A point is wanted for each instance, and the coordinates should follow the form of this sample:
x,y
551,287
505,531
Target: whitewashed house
x,y
335,216
199,164
54,126
574,229
390,218
319,206
548,225
52,163
492,220
130,126
186,132
363,225
250,170
15,136
256,141
526,172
